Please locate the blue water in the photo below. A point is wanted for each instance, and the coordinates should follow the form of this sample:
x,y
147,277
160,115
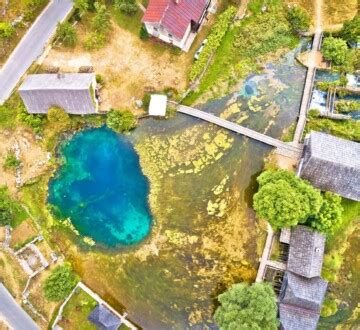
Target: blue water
x,y
102,189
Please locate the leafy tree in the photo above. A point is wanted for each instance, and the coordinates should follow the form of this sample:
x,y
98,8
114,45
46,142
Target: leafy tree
x,y
330,214
67,34
247,307
284,199
58,117
82,6
60,283
11,162
128,7
299,19
351,30
335,50
101,21
121,120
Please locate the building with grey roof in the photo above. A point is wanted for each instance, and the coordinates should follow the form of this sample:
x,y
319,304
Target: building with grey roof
x,y
299,291
332,164
306,252
104,319
73,92
302,290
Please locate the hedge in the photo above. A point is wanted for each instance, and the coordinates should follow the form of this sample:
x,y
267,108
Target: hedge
x,y
215,37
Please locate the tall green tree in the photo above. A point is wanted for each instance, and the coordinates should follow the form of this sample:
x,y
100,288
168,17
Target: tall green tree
x,y
299,19
67,34
335,50
60,283
247,307
330,214
285,200
351,30
101,20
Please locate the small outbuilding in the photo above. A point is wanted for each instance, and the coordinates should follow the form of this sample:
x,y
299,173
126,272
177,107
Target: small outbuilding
x,y
157,106
73,92
104,319
332,164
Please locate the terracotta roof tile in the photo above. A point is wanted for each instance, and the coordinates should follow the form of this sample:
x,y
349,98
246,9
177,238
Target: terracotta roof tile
x,y
175,17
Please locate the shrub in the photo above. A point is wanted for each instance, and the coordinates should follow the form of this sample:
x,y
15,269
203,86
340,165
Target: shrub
x,y
60,283
82,6
100,79
215,37
285,200
94,41
335,50
299,19
11,162
34,121
11,212
6,30
143,34
66,33
247,307
345,106
329,307
351,30
146,100
121,120
329,216
58,117
101,20
128,7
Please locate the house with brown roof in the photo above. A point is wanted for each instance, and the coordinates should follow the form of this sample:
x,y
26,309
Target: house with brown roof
x,y
175,21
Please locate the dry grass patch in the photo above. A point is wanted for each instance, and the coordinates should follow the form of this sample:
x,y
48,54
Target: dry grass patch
x,y
22,234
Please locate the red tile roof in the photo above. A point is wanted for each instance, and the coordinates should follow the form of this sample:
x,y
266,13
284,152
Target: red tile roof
x,y
175,17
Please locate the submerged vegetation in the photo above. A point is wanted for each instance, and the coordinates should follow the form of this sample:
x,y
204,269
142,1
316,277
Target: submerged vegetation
x,y
244,48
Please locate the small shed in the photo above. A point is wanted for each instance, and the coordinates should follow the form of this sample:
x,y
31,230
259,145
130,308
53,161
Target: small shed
x,y
104,319
332,164
157,105
73,92
306,252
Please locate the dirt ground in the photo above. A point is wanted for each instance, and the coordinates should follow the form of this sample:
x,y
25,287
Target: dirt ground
x,y
129,66
22,232
316,58
34,159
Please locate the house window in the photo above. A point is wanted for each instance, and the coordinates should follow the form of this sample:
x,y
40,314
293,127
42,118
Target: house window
x,y
170,36
155,28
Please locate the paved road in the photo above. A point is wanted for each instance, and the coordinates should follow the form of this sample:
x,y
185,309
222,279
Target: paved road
x,y
13,314
284,148
32,45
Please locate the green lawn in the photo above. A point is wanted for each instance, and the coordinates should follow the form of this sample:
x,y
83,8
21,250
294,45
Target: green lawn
x,y
129,23
77,310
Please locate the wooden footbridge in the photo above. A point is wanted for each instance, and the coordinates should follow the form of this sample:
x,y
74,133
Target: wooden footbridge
x,y
286,149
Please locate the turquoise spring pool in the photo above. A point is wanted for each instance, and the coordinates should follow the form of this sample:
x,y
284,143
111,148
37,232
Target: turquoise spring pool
x,y
102,189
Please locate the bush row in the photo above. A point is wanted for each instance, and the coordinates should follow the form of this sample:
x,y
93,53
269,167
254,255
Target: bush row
x,y
214,39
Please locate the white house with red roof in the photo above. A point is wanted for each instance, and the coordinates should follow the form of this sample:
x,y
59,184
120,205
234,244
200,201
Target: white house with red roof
x,y
175,21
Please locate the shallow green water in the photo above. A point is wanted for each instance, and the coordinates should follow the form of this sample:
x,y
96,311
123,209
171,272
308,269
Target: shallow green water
x,y
205,236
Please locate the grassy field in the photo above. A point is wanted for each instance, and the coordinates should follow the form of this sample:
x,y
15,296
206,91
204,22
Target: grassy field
x,y
77,310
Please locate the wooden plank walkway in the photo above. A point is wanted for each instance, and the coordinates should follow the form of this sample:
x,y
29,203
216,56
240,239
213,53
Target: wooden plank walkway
x,y
309,82
283,147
